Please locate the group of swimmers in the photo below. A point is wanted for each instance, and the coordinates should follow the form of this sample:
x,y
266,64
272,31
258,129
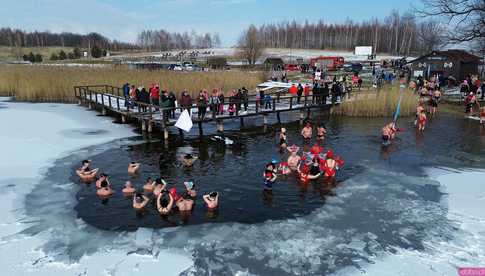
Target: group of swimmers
x,y
167,199
310,165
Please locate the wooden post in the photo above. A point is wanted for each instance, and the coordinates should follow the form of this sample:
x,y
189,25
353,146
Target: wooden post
x,y
165,133
150,126
90,106
220,125
265,119
308,113
278,117
201,130
143,126
302,116
123,119
118,103
103,111
241,119
164,126
291,103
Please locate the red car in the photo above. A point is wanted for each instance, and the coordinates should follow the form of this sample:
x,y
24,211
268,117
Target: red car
x,y
292,67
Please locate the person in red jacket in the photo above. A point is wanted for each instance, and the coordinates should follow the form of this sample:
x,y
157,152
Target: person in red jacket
x,y
306,90
293,90
186,101
155,94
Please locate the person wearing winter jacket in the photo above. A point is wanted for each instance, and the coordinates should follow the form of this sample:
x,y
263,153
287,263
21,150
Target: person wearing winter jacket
x,y
186,101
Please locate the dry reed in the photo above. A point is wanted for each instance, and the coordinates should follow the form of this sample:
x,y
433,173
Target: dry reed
x,y
378,103
55,83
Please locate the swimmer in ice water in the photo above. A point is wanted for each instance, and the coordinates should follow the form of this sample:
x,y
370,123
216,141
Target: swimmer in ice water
x,y
133,167
160,186
331,164
102,177
212,200
422,121
85,173
294,159
283,139
321,132
105,190
306,132
128,189
190,189
388,133
165,202
140,201
269,177
149,185
188,160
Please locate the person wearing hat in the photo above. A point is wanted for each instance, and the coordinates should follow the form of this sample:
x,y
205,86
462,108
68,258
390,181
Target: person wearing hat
x,y
140,201
128,189
85,173
294,159
331,164
102,177
160,186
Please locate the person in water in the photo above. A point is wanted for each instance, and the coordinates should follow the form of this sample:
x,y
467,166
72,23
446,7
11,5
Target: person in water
x,y
294,159
419,109
149,185
188,160
133,167
283,139
212,200
283,168
303,173
321,132
105,190
128,189
314,171
85,173
422,121
140,201
160,186
190,189
102,177
331,164
316,149
306,132
185,203
435,98
164,205
269,177
389,132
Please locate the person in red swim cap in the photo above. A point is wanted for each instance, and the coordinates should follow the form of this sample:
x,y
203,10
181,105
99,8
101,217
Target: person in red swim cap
x,y
331,164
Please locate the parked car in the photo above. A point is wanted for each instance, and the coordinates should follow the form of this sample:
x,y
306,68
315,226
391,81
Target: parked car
x,y
292,67
175,67
353,67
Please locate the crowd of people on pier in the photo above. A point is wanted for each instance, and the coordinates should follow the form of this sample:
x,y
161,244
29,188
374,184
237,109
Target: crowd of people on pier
x,y
166,200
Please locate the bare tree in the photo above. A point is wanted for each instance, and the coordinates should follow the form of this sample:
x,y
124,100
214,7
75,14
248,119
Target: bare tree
x,y
466,18
430,35
250,45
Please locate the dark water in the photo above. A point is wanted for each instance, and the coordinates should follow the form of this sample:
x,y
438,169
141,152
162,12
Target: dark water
x,y
235,171
383,201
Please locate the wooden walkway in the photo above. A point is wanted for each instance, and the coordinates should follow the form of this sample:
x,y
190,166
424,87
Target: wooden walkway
x,y
110,100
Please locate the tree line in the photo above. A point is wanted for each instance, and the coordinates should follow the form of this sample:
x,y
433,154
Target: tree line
x,y
162,40
20,38
396,34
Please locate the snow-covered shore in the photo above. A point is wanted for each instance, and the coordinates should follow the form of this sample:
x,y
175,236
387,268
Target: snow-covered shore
x,y
33,136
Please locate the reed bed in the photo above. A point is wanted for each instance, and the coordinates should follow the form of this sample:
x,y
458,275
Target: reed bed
x,y
55,83
378,103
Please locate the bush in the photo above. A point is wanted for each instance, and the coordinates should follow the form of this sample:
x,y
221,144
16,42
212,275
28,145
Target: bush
x,y
96,52
54,56
76,52
71,56
38,58
62,55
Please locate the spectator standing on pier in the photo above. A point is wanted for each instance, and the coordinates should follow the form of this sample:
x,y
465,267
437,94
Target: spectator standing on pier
x,y
261,97
245,98
173,100
186,101
267,101
155,94
214,102
202,105
299,93
126,93
238,99
221,102
165,104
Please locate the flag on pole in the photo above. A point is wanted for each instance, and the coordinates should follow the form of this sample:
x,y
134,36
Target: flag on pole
x,y
184,122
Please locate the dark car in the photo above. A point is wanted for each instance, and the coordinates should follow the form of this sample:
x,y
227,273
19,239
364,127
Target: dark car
x,y
353,67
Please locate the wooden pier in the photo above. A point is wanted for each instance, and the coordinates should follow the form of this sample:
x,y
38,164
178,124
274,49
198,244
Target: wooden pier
x,y
110,101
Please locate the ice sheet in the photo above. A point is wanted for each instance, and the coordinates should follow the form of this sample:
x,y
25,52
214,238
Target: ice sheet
x,y
32,137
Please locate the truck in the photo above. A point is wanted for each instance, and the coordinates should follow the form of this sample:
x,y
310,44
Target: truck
x,y
327,63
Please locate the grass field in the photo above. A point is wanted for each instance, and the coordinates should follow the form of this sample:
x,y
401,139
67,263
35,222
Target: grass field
x,y
378,103
55,83
10,53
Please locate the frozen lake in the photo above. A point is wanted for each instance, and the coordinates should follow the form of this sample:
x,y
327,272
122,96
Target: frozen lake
x,y
411,209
